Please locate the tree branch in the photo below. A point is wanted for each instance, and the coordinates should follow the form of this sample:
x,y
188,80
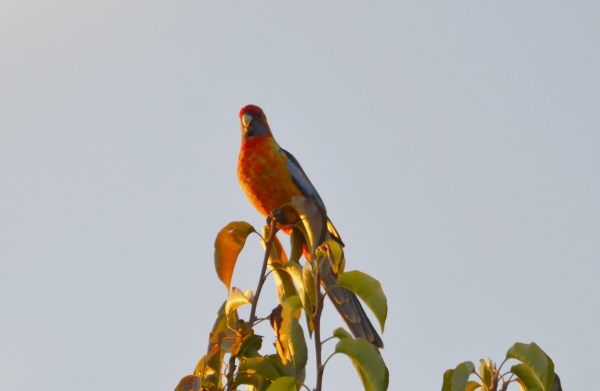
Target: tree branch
x,y
273,231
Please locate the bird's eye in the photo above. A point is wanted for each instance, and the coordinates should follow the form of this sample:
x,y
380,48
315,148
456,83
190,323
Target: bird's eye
x,y
260,115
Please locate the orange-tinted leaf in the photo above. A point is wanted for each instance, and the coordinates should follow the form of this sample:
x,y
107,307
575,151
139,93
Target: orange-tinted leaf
x,y
199,370
228,244
189,383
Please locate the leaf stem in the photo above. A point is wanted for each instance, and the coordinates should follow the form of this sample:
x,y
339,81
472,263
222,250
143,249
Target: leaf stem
x,y
327,339
501,365
482,382
317,322
305,386
328,358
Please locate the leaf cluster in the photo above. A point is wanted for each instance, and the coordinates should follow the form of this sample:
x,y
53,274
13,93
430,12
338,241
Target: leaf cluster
x,y
533,372
234,354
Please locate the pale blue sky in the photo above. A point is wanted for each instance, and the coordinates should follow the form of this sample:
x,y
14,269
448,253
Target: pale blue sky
x,y
456,146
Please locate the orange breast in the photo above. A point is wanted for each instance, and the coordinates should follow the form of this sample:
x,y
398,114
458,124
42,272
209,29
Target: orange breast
x,y
263,174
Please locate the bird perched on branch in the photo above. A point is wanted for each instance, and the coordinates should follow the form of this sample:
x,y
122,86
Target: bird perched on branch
x,y
270,176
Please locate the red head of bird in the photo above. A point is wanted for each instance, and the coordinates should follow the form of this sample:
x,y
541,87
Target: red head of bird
x,y
254,122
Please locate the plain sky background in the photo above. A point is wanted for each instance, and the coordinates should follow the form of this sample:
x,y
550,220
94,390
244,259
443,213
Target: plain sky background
x,y
455,144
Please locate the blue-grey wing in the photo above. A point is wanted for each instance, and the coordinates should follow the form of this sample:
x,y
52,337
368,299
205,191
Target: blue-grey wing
x,y
301,180
308,190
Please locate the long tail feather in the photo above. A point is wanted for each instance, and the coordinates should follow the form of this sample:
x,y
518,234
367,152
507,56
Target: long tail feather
x,y
347,304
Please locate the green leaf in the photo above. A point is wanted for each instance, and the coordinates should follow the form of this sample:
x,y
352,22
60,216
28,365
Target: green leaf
x,y
252,383
298,349
369,290
214,355
295,271
458,379
556,386
214,360
284,370
236,299
230,342
221,320
250,346
313,221
525,377
290,335
486,372
228,244
539,365
368,362
301,377
447,384
309,284
260,366
296,241
341,333
289,311
286,383
283,281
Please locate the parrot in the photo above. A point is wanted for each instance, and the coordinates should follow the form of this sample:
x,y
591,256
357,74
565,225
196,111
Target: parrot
x,y
270,176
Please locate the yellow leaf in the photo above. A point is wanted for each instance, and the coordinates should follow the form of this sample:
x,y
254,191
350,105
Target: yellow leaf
x,y
236,299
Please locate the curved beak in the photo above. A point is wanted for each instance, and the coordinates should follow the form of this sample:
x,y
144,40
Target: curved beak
x,y
246,120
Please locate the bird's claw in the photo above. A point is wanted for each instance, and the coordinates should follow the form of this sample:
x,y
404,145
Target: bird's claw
x,y
279,216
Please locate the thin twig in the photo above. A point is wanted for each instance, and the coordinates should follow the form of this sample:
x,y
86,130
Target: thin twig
x,y
258,320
